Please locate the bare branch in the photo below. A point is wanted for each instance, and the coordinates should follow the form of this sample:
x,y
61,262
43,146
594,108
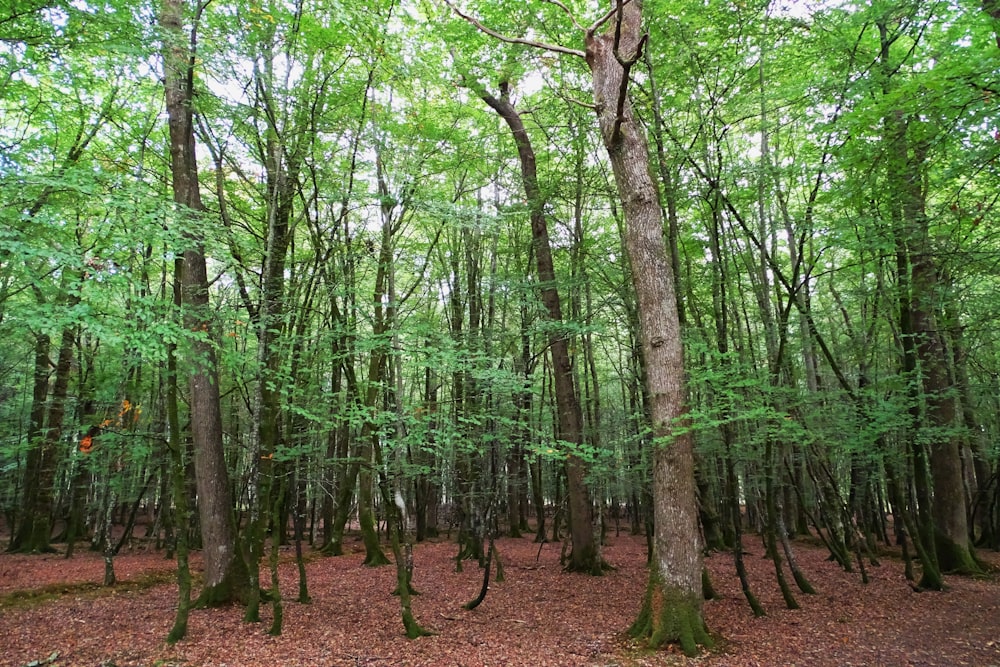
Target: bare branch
x,y
626,64
585,105
568,12
555,48
604,19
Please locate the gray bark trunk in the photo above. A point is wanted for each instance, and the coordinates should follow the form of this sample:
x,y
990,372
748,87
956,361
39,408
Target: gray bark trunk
x,y
672,611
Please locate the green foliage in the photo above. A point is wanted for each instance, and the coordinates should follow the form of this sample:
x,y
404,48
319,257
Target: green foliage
x,y
340,97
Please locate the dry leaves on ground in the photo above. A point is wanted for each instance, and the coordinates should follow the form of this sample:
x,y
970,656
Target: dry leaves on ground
x,y
538,616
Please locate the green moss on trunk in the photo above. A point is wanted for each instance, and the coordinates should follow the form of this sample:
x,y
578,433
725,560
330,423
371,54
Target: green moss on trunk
x,y
707,589
671,616
374,556
955,558
234,588
589,561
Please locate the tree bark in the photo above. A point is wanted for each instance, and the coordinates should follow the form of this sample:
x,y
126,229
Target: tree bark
x,y
36,423
35,531
672,609
282,165
585,556
925,352
225,568
992,9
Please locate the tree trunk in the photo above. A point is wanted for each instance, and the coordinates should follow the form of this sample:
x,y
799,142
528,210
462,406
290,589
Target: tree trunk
x,y
35,531
951,531
36,422
178,483
585,556
282,166
919,299
672,609
225,569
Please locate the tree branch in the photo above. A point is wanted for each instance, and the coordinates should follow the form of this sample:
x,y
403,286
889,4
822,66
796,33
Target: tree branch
x,y
573,100
555,48
604,19
626,64
568,12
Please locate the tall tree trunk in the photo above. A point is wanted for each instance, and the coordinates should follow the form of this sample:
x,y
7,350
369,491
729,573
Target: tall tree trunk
x,y
951,530
282,166
36,422
979,450
919,294
720,308
585,556
672,609
36,526
178,480
225,569
340,448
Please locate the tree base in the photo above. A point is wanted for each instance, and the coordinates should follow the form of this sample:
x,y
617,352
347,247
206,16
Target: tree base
x,y
595,569
414,629
671,616
954,558
708,591
31,548
233,589
332,549
409,589
376,558
177,633
590,562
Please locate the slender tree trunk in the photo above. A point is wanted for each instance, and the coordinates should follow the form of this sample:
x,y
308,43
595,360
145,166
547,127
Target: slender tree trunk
x,y
426,490
35,531
36,423
340,449
585,556
517,461
282,185
720,304
178,481
978,445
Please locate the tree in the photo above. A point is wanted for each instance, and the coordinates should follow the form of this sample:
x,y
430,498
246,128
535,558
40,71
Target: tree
x,y
225,569
907,142
833,264
672,607
585,556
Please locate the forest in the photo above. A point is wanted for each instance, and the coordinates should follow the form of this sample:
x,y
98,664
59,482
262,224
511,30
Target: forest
x,y
282,281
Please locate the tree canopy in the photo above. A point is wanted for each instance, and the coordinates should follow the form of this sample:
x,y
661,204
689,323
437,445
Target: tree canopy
x,y
378,323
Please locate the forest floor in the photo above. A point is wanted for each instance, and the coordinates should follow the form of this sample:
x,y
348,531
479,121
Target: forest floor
x,y
53,611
